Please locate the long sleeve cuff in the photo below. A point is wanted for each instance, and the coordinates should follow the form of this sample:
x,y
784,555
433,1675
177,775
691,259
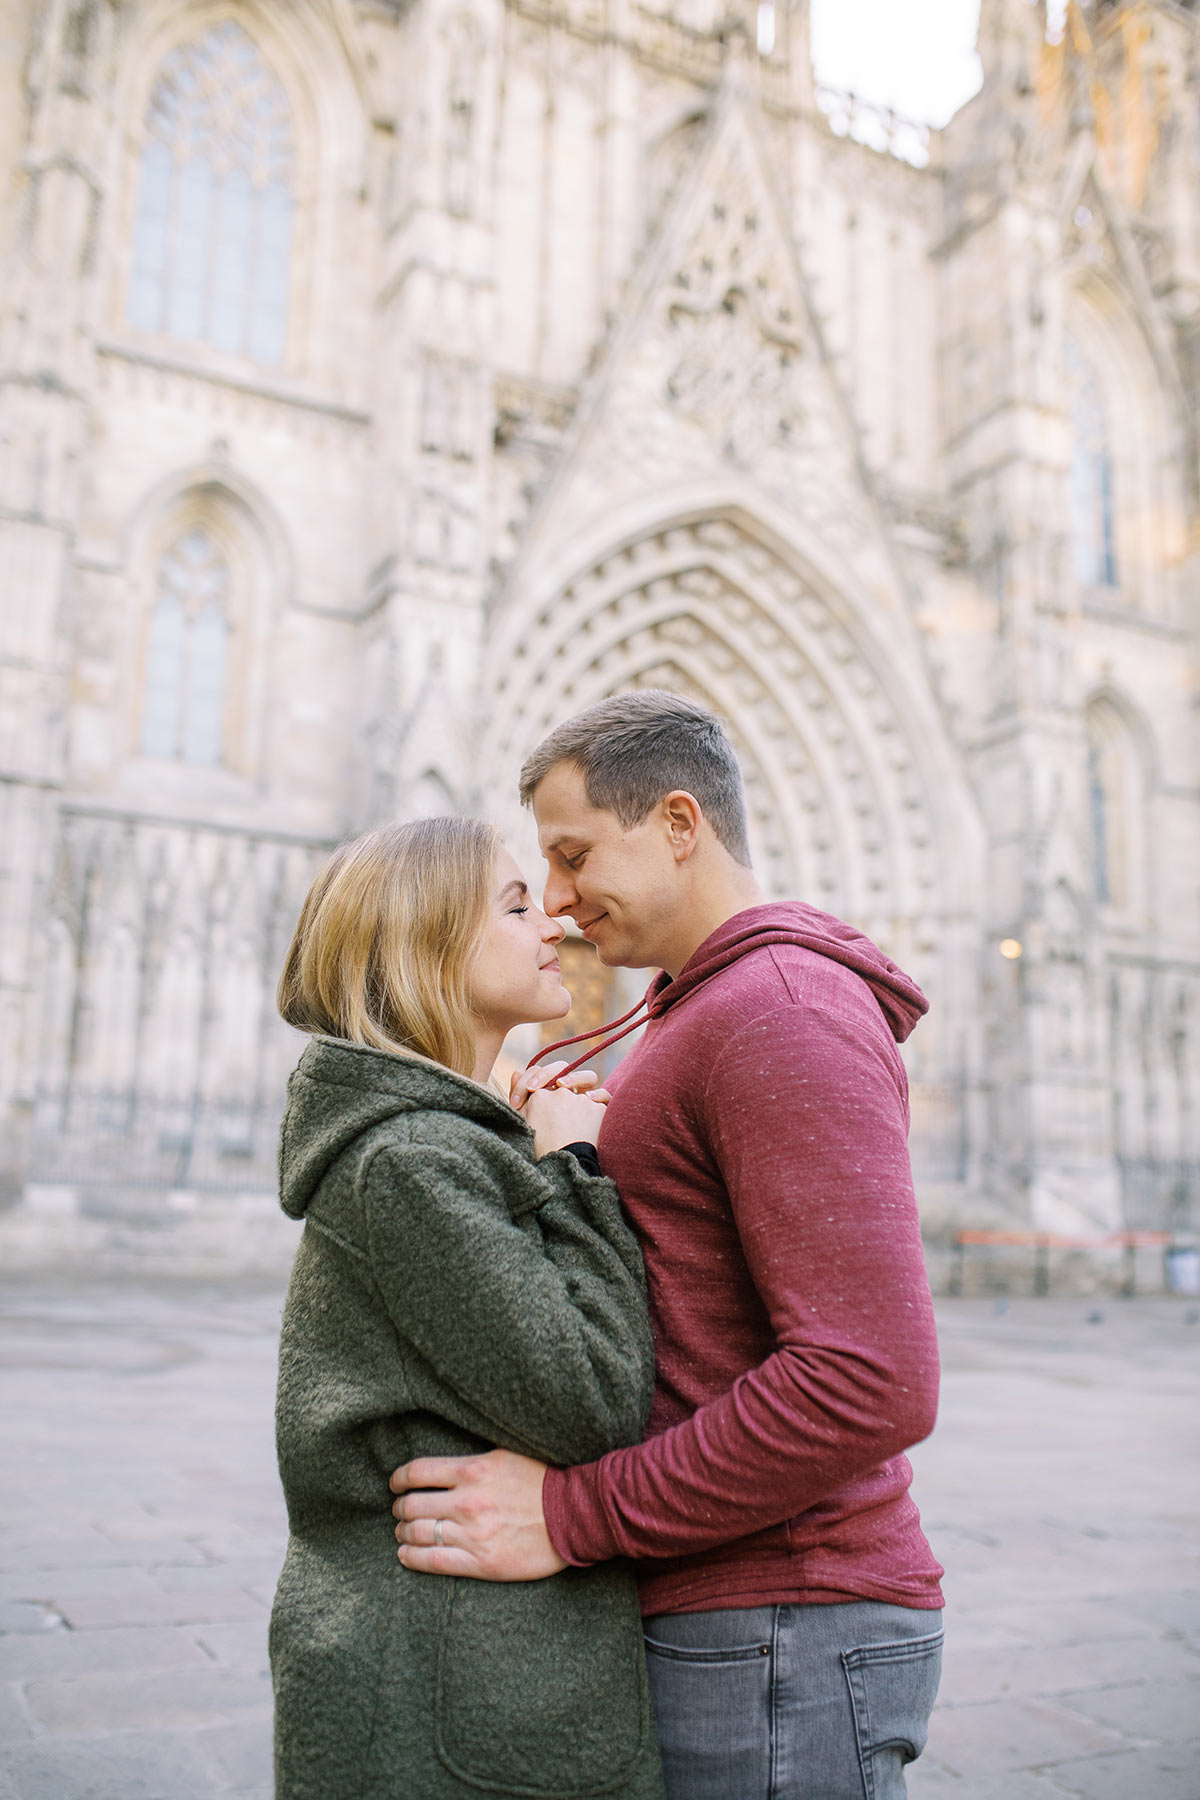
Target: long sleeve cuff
x,y
585,1155
574,1514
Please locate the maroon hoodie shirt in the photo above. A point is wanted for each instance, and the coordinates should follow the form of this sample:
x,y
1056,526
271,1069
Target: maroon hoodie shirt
x,y
758,1136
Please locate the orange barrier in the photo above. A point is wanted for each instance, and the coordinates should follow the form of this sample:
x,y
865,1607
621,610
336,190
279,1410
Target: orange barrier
x,y
1042,1242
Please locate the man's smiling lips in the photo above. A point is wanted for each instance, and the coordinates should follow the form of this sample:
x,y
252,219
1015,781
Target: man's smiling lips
x,y
586,926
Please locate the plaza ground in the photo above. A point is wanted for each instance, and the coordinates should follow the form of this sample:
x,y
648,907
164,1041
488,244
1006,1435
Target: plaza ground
x,y
142,1530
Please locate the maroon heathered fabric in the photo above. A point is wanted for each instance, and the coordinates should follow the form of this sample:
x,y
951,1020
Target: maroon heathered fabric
x,y
758,1136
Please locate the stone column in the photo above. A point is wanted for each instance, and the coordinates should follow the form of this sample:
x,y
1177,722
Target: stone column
x,y
436,313
46,308
1050,1154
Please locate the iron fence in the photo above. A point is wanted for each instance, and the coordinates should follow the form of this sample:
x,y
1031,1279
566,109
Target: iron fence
x,y
99,1138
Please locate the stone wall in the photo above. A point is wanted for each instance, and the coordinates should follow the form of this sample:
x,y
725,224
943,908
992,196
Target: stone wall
x,y
613,352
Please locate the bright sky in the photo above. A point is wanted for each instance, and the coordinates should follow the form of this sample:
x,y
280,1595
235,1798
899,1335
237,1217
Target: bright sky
x,y
915,56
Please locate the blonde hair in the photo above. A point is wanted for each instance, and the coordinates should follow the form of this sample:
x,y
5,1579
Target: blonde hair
x,y
386,938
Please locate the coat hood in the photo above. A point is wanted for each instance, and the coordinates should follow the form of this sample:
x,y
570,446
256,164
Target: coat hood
x,y
338,1091
791,922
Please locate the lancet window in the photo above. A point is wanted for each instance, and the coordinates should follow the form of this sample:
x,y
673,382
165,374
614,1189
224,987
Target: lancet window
x,y
1114,804
187,653
1092,518
212,239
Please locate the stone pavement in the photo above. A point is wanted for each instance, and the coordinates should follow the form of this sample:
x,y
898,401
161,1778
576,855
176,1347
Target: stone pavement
x,y
142,1531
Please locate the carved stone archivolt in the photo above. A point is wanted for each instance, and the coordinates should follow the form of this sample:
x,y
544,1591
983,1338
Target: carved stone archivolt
x,y
838,802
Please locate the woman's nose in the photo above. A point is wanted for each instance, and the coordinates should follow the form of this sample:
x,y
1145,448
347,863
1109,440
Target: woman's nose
x,y
553,931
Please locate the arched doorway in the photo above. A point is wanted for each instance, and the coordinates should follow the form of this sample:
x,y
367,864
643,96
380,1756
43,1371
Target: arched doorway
x,y
853,805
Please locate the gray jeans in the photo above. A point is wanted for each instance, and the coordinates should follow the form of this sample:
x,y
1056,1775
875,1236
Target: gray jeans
x,y
793,1702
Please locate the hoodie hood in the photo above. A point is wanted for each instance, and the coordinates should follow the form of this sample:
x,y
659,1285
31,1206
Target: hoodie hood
x,y
791,922
338,1091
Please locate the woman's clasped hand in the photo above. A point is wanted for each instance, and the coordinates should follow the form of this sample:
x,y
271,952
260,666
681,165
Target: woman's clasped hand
x,y
570,1114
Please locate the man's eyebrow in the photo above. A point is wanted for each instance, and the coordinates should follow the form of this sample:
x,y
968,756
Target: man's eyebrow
x,y
564,837
507,890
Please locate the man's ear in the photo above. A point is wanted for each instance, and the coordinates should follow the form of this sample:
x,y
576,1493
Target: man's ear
x,y
683,816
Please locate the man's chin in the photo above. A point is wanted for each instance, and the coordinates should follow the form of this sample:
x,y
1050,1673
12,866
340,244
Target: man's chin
x,y
620,956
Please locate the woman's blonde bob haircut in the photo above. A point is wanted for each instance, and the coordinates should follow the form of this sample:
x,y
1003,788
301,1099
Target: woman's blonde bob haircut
x,y
387,936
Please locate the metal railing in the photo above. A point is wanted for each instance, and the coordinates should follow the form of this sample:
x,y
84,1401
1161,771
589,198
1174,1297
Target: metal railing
x,y
110,1139
878,127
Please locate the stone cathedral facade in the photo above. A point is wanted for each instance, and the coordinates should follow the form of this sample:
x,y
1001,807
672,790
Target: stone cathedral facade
x,y
382,380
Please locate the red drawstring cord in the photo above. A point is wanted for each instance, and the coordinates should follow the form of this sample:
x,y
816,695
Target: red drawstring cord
x,y
597,1049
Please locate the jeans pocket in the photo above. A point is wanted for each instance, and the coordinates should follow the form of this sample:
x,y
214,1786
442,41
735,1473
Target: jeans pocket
x,y
892,1690
724,1653
712,1711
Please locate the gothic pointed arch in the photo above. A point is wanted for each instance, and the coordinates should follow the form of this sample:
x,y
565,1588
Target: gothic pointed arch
x,y
854,800
1127,505
430,796
1116,811
1093,507
208,568
212,245
248,130
844,803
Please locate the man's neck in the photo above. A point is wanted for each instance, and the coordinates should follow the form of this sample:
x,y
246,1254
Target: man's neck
x,y
730,893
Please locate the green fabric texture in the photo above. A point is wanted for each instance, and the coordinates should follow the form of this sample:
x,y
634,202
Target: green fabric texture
x,y
450,1293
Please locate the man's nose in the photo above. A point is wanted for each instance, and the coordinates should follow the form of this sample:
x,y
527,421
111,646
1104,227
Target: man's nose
x,y
559,897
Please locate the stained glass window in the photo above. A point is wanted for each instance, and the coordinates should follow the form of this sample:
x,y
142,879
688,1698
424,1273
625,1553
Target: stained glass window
x,y
1092,533
186,652
212,241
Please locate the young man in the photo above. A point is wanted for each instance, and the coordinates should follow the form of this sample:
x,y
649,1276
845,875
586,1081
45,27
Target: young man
x,y
758,1137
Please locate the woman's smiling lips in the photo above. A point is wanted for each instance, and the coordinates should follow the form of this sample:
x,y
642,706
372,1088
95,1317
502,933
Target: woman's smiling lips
x,y
553,967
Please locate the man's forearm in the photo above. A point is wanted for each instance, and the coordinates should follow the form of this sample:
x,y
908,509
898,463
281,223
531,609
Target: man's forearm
x,y
789,1434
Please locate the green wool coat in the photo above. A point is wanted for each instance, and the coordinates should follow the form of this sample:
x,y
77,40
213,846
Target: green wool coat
x,y
450,1293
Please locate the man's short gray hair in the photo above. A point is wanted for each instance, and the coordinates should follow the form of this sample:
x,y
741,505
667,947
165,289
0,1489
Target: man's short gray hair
x,y
636,748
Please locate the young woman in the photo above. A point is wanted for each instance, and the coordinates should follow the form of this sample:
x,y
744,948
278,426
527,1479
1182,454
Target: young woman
x,y
463,1282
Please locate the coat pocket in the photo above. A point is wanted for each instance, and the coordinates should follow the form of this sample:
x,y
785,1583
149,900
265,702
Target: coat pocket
x,y
541,1686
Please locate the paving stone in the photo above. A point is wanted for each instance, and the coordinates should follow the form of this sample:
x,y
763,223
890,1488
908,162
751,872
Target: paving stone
x,y
1055,1491
1071,1622
976,1741
967,1631
1177,1609
928,1781
139,1766
974,1675
1167,1712
242,1572
242,1646
132,1701
25,1656
14,1715
242,1754
69,1547
33,1616
101,1597
143,1528
1167,1774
